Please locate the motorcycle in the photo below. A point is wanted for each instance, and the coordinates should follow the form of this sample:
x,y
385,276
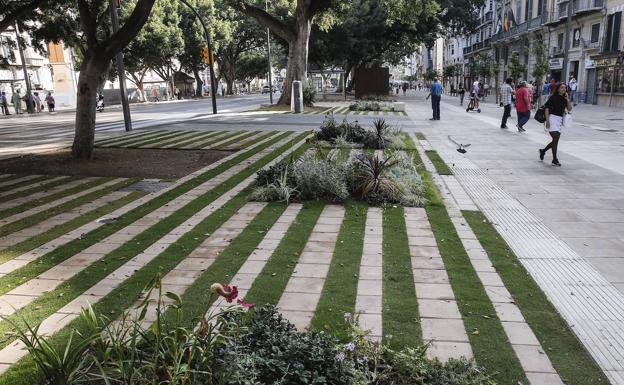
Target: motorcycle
x,y
99,107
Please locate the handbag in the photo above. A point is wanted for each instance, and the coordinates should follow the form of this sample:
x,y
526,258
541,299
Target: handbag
x,y
540,114
567,121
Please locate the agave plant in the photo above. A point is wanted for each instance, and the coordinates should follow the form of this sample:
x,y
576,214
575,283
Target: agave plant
x,y
370,174
380,134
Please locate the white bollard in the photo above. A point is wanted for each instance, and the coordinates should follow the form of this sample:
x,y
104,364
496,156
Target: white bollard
x,y
296,100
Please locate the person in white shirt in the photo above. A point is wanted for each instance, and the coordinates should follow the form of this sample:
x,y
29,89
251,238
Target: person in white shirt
x,y
475,91
573,85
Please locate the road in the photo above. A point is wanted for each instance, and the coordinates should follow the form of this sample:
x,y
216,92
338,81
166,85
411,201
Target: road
x,y
44,131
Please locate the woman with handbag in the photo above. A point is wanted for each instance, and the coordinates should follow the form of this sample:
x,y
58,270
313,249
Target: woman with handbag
x,y
555,110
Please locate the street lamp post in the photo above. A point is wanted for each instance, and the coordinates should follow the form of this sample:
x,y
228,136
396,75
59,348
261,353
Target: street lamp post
x,y
269,55
29,99
213,86
121,70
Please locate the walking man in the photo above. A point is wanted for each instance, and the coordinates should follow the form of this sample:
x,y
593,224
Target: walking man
x,y
4,103
17,102
573,85
506,94
436,94
523,105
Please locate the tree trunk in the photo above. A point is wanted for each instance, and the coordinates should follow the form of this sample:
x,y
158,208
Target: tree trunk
x,y
230,86
200,83
141,89
297,54
88,82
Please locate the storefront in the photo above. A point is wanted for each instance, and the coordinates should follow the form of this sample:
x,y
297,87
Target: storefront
x,y
610,81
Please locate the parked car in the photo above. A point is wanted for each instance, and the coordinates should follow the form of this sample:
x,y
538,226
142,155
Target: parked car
x,y
265,89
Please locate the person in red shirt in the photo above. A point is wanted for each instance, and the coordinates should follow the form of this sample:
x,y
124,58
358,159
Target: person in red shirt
x,y
523,105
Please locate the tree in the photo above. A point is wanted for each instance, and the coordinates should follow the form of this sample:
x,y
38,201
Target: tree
x,y
85,26
190,57
516,68
15,10
541,66
295,31
251,65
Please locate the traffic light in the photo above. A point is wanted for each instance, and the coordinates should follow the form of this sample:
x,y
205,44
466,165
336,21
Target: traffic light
x,y
207,56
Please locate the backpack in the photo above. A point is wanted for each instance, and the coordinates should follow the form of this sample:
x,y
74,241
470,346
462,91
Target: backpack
x,y
540,114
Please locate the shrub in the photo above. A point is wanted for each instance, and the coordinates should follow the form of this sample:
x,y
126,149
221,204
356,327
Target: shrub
x,y
309,95
329,129
320,179
273,174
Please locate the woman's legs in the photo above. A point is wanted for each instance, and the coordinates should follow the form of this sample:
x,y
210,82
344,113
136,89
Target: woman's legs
x,y
555,135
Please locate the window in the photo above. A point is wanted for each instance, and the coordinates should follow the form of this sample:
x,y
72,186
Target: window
x,y
595,33
560,41
576,37
5,51
612,41
540,5
452,49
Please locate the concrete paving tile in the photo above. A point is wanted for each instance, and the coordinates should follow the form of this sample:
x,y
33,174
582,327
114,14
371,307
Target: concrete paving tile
x,y
434,291
371,272
325,220
370,304
508,312
498,294
421,241
519,333
12,352
299,301
260,255
325,247
373,248
305,285
427,263
12,265
477,253
483,265
310,270
243,281
332,229
370,287
55,322
544,378
9,303
301,319
61,272
490,279
437,308
322,237
440,329
430,276
421,233
252,267
444,350
471,244
179,277
103,287
78,303
533,359
372,322
372,260
424,251
316,257
194,264
35,287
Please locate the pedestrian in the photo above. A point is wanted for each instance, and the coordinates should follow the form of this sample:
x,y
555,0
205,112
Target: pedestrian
x,y
49,99
506,94
555,109
17,102
4,103
475,93
436,94
461,93
404,88
552,86
37,102
572,85
155,94
523,105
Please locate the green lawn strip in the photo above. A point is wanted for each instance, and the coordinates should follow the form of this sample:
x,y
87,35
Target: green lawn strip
x,y
247,135
271,282
184,143
401,319
214,140
64,228
420,136
119,138
38,179
52,197
43,215
41,187
188,137
488,339
51,301
129,291
154,142
9,281
248,143
340,289
126,140
11,177
438,163
567,354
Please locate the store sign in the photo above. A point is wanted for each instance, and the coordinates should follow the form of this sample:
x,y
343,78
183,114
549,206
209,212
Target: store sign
x,y
556,64
589,63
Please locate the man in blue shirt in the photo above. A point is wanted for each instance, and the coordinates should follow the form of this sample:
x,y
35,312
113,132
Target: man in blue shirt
x,y
436,94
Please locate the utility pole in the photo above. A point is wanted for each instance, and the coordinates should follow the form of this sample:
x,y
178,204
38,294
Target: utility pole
x,y
564,74
121,70
269,55
213,86
29,99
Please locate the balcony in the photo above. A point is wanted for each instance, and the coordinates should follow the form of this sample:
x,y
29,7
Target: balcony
x,y
467,50
580,7
486,18
33,62
557,51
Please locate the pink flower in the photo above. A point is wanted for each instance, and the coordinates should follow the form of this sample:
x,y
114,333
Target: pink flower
x,y
245,304
226,291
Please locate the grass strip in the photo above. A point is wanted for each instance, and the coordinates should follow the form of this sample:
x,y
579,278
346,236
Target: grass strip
x,y
271,282
488,339
52,197
216,139
38,179
46,304
153,141
340,289
64,228
64,252
568,355
205,135
119,138
125,141
254,140
239,139
401,318
438,163
52,211
420,136
39,188
182,136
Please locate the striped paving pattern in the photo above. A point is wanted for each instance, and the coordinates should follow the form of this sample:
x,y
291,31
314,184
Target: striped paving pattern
x,y
346,111
149,229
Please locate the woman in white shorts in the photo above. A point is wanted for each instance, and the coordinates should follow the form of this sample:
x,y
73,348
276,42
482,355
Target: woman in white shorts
x,y
555,109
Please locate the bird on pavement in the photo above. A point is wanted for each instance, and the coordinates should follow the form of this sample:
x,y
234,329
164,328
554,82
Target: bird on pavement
x,y
461,148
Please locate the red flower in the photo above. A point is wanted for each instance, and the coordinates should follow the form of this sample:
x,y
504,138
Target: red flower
x,y
246,304
226,291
